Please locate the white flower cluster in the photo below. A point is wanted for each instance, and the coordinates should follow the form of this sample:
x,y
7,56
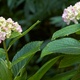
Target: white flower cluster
x,y
7,27
72,13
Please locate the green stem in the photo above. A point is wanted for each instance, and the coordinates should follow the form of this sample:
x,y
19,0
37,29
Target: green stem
x,y
24,33
4,45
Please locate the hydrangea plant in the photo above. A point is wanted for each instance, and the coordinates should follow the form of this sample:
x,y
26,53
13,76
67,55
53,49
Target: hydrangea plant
x,y
67,47
14,70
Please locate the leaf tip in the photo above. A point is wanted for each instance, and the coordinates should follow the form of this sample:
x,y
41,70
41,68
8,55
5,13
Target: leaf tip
x,y
38,21
41,56
53,38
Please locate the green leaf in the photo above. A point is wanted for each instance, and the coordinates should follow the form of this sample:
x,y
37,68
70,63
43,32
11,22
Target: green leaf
x,y
63,76
69,60
22,74
64,45
76,77
9,2
24,33
31,5
2,53
78,32
24,55
14,4
39,74
66,31
21,77
58,21
5,73
15,34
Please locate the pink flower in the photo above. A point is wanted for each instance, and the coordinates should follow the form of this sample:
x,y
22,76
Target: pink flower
x,y
17,27
2,36
7,27
70,14
9,20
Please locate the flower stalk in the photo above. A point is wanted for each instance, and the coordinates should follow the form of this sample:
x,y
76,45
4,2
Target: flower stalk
x,y
7,57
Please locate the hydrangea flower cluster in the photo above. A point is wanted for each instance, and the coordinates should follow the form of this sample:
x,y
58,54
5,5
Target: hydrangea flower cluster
x,y
7,27
72,13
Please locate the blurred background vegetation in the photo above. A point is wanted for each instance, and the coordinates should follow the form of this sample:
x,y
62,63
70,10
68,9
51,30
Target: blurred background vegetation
x,y
27,12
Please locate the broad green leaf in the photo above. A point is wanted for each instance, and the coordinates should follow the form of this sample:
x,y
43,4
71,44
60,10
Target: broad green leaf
x,y
2,53
66,31
5,73
24,33
64,76
78,32
39,74
64,45
76,77
21,77
69,60
24,55
15,34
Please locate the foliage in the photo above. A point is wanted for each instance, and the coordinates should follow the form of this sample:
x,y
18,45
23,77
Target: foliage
x,y
60,53
68,46
15,69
